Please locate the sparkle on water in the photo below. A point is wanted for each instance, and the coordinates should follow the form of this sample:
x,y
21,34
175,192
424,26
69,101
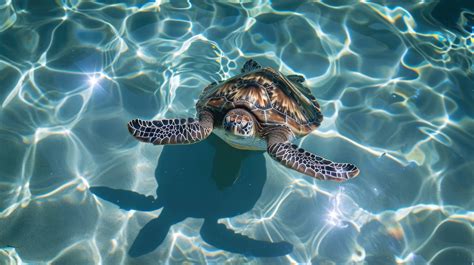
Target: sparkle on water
x,y
396,87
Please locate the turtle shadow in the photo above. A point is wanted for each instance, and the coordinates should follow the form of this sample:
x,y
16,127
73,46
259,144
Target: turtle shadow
x,y
190,185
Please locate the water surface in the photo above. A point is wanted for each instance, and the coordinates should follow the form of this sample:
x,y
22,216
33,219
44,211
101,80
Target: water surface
x,y
395,83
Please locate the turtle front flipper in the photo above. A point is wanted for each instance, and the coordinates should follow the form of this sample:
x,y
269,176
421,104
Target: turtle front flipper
x,y
172,131
305,162
310,164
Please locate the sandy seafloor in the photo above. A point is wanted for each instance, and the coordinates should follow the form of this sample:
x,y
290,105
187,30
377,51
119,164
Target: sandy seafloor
x,y
396,86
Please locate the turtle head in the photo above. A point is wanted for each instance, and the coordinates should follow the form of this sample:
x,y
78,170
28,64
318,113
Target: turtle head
x,y
239,122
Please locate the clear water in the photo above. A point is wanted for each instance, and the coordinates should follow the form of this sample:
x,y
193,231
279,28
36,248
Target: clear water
x,y
396,85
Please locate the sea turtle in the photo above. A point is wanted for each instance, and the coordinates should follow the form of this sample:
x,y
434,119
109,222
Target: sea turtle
x,y
259,109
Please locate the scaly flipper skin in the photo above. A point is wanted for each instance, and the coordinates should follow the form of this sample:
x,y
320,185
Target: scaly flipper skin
x,y
305,162
172,131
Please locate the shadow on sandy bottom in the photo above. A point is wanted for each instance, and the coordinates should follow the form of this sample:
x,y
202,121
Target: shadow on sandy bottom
x,y
191,185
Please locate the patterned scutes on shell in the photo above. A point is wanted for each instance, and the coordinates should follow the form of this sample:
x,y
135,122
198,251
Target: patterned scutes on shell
x,y
272,98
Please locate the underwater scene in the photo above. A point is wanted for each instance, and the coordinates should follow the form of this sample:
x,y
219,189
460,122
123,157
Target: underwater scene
x,y
394,81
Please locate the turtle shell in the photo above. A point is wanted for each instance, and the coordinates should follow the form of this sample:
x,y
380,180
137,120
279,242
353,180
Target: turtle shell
x,y
273,98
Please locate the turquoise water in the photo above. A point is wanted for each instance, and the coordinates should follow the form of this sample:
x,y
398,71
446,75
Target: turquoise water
x,y
395,83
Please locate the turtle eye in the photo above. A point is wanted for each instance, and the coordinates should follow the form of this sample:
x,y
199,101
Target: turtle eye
x,y
247,128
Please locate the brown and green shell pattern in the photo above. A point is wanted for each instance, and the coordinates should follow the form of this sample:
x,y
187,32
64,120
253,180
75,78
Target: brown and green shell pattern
x,y
272,97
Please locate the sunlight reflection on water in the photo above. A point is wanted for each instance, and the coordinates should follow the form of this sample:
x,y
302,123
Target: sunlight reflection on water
x,y
396,88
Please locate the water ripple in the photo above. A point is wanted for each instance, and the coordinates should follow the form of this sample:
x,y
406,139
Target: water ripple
x,y
396,87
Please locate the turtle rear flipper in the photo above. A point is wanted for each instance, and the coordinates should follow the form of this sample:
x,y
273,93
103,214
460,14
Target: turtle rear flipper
x,y
296,78
127,200
219,236
249,66
310,164
172,131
